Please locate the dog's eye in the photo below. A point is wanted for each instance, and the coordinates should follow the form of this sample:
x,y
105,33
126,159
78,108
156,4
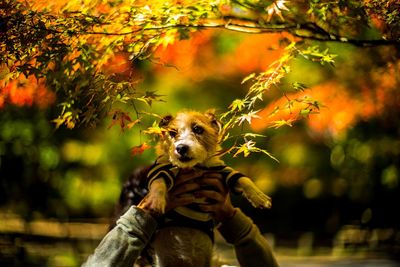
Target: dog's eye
x,y
172,133
198,129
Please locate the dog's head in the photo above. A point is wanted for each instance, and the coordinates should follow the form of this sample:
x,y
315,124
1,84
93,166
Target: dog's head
x,y
189,138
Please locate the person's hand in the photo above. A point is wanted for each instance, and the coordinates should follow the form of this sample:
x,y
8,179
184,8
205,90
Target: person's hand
x,y
184,186
191,185
213,188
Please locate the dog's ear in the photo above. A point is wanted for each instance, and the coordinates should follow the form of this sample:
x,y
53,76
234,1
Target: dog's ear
x,y
165,121
214,120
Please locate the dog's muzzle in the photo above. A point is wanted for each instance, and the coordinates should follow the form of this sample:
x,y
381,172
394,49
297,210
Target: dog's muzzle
x,y
182,151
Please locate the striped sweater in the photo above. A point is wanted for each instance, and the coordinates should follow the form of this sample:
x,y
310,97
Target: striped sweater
x,y
168,172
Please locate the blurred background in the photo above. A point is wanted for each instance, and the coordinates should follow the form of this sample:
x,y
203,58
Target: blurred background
x,y
335,189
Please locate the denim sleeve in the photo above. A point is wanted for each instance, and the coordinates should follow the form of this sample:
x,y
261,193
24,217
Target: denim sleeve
x,y
124,243
251,248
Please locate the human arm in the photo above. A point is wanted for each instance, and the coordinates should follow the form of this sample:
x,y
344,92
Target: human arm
x,y
251,248
244,235
133,230
124,243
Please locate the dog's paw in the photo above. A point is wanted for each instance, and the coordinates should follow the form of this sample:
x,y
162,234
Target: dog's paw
x,y
255,196
156,203
258,199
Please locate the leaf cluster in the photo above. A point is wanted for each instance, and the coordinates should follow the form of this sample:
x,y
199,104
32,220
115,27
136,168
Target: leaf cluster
x,y
387,14
245,110
71,47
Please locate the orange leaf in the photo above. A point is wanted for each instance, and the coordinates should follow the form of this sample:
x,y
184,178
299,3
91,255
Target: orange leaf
x,y
133,123
122,119
138,150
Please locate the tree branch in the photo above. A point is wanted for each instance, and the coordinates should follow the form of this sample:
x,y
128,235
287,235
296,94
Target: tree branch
x,y
306,30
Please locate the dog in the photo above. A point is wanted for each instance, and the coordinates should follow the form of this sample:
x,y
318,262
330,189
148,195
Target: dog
x,y
190,140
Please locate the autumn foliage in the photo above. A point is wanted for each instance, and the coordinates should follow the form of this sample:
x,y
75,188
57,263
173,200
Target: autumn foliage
x,y
198,56
26,92
311,84
89,54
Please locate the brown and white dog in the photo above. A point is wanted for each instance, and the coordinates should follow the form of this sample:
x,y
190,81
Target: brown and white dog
x,y
190,140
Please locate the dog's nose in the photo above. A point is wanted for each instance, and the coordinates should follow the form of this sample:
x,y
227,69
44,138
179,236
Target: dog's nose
x,y
182,149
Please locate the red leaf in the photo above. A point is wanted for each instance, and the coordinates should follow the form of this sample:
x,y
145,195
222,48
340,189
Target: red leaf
x,y
122,119
138,150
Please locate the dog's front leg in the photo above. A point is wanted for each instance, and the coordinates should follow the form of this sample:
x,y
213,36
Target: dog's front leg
x,y
156,199
255,196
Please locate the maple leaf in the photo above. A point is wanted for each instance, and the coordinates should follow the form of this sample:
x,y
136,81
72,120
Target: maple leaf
x,y
154,129
248,117
59,121
249,77
68,118
168,38
279,123
122,119
149,97
250,147
299,86
244,148
138,150
133,123
237,104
